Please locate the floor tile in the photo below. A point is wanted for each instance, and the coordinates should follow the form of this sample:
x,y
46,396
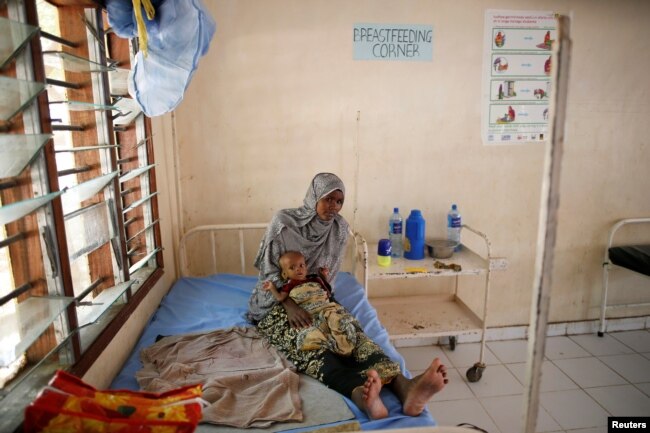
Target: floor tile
x,y
573,409
637,340
622,400
508,411
467,354
585,379
510,351
451,413
553,379
598,346
633,367
418,358
496,381
644,387
563,347
589,372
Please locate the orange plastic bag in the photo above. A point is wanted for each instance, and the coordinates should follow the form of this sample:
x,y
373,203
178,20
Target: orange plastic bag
x,y
70,405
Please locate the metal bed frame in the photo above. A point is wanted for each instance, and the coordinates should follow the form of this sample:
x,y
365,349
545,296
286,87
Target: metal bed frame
x,y
607,264
360,249
359,268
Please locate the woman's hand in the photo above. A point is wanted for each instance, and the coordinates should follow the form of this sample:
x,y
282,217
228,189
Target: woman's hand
x,y
298,318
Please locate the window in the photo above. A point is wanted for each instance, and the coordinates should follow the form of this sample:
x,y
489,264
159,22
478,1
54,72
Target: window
x,y
80,240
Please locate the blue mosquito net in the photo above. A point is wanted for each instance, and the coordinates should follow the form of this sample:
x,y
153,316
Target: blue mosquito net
x,y
178,36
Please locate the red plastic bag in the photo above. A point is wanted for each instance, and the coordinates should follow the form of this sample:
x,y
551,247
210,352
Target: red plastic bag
x,y
70,405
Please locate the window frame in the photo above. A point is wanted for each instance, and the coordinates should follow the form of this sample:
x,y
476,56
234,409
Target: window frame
x,y
53,265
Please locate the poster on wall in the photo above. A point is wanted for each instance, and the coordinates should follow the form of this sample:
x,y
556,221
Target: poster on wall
x,y
516,76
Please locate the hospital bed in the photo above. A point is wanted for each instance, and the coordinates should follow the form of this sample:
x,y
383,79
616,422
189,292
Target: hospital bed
x,y
218,299
634,257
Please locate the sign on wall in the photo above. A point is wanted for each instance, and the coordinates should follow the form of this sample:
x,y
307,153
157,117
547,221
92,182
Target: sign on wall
x,y
406,42
516,76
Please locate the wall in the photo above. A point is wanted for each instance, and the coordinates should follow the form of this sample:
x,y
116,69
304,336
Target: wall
x,y
279,98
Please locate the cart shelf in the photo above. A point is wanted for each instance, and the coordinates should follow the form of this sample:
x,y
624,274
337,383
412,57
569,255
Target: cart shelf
x,y
409,317
470,263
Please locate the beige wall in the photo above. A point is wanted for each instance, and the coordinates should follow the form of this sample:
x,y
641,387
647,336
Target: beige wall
x,y
278,98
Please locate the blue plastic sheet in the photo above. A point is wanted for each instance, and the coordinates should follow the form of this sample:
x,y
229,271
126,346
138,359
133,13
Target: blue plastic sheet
x,y
221,301
178,37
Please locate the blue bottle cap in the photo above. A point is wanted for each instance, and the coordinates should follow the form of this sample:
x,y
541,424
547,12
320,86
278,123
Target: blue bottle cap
x,y
384,247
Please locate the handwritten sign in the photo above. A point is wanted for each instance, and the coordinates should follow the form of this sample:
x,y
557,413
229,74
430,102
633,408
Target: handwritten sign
x,y
401,42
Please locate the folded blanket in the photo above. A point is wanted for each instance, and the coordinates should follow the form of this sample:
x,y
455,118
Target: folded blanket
x,y
247,381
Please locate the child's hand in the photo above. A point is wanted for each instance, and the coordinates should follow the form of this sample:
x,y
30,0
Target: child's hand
x,y
267,285
325,272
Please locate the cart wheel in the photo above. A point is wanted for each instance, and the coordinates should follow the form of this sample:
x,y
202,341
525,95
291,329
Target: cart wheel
x,y
452,342
475,373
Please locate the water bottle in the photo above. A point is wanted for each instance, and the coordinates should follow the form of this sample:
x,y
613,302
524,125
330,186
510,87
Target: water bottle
x,y
415,229
395,233
453,226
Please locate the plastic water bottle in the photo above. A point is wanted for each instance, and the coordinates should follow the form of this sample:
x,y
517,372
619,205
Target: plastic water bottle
x,y
415,229
395,233
453,226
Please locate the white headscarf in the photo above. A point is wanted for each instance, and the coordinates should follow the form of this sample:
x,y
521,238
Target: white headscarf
x,y
299,229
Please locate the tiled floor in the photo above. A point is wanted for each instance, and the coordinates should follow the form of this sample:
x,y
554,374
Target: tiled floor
x,y
585,379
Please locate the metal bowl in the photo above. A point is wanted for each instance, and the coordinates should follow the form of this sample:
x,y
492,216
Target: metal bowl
x,y
440,248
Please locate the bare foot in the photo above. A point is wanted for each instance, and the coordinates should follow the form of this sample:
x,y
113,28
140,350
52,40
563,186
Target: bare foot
x,y
421,388
367,397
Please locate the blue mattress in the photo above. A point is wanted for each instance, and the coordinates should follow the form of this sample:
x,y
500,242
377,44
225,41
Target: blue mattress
x,y
220,301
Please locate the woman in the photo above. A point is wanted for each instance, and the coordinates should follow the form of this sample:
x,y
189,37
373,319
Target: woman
x,y
318,231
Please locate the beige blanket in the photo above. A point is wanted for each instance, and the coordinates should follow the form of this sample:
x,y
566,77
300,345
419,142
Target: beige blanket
x,y
247,381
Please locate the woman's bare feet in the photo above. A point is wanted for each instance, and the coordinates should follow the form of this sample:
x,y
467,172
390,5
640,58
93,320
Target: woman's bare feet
x,y
417,392
367,397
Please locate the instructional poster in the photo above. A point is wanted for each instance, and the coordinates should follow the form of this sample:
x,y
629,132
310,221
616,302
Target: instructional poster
x,y
517,76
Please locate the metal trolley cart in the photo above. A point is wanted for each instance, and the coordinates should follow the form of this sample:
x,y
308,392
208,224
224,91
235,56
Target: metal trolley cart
x,y
421,316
